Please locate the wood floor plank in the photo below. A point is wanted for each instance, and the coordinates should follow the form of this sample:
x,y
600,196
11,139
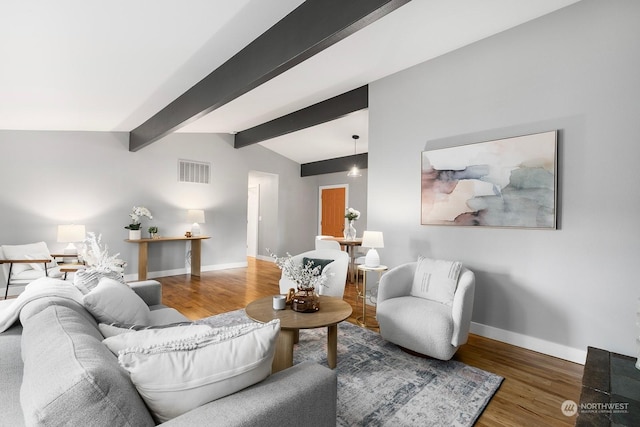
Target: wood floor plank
x,y
535,384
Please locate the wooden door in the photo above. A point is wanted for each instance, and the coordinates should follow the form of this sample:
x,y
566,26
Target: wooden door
x,y
333,207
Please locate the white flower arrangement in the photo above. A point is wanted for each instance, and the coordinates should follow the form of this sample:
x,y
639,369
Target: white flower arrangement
x,y
135,215
305,276
97,258
352,214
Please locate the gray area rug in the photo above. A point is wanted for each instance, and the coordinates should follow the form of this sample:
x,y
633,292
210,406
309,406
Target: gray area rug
x,y
380,385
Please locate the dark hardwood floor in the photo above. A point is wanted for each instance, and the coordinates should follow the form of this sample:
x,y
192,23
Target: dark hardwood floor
x,y
534,388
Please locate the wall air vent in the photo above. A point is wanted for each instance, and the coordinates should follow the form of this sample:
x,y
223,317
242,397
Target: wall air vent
x,y
195,172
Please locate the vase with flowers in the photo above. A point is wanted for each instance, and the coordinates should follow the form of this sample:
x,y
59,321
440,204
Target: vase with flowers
x,y
307,277
134,227
351,215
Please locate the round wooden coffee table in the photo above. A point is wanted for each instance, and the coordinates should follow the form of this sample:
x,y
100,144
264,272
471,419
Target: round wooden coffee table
x,y
332,311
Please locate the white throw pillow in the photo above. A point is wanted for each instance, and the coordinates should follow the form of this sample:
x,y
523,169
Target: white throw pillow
x,y
110,329
150,337
178,376
436,280
115,302
88,278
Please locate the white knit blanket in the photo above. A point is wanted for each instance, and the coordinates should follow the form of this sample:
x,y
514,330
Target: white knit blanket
x,y
39,288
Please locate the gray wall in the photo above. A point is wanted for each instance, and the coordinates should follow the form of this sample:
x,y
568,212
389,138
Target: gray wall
x,y
577,71
91,178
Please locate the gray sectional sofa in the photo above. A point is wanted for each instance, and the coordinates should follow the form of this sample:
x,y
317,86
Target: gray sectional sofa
x,y
55,370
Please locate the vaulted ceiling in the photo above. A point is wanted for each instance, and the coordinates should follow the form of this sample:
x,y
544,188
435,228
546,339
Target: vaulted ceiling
x,y
111,66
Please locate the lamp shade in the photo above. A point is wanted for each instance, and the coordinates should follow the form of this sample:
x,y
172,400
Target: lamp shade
x,y
71,233
372,239
195,216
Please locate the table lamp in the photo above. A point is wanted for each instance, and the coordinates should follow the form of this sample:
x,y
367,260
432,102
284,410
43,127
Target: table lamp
x,y
71,234
195,216
372,240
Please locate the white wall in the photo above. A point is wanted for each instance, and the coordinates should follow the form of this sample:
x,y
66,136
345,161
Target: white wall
x,y
577,71
91,178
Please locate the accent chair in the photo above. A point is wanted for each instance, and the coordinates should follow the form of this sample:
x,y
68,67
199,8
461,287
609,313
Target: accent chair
x,y
22,264
335,270
435,324
327,244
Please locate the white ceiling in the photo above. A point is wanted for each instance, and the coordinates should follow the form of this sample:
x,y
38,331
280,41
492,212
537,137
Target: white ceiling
x,y
109,66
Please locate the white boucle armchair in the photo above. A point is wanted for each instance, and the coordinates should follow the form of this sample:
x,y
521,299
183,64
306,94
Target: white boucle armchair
x,y
421,325
336,271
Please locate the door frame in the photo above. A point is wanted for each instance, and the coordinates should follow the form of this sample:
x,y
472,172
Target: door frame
x,y
253,219
329,187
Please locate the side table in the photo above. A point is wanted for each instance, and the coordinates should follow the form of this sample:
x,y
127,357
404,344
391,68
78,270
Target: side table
x,y
69,268
362,293
332,311
143,252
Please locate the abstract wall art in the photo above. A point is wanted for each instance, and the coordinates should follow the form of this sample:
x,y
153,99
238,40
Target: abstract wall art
x,y
502,183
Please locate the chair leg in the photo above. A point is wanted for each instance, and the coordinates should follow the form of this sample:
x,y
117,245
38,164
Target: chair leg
x,y
6,291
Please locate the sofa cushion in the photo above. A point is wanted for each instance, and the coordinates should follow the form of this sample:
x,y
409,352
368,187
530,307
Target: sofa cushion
x,y
11,370
162,315
70,376
37,305
115,302
436,280
199,370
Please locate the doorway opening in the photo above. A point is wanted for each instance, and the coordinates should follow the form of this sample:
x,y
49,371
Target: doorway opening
x,y
262,214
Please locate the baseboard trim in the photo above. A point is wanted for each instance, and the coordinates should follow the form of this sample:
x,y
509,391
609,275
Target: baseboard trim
x,y
530,343
180,271
227,266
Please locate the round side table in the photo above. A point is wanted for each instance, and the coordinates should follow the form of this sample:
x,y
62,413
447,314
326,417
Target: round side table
x,y
362,293
332,311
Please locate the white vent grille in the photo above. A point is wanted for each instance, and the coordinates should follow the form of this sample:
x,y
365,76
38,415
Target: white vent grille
x,y
192,171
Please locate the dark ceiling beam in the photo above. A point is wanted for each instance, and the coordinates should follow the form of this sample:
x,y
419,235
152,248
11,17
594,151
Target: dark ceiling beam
x,y
322,112
309,29
340,164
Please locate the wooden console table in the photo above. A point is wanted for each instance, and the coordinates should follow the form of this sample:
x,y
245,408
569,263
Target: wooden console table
x,y
143,252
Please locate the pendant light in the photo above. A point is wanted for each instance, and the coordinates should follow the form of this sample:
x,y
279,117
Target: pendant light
x,y
354,172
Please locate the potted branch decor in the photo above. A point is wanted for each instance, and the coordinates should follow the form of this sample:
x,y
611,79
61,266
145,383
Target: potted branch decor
x,y
307,278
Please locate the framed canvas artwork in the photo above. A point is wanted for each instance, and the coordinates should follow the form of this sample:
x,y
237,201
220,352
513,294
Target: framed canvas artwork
x,y
502,183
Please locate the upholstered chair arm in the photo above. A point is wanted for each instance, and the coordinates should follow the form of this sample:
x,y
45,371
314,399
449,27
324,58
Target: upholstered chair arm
x,y
336,274
149,290
462,307
396,282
